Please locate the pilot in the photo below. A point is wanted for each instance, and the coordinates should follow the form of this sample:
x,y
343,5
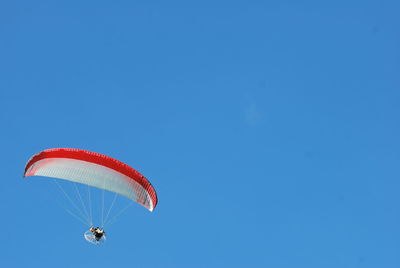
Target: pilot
x,y
98,232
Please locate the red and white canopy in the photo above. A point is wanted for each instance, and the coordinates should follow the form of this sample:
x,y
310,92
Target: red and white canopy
x,y
93,169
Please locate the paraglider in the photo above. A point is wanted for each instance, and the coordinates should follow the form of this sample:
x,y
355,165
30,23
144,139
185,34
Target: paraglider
x,y
96,170
95,235
98,232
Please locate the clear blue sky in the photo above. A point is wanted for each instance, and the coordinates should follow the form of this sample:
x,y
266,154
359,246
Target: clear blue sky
x,y
270,129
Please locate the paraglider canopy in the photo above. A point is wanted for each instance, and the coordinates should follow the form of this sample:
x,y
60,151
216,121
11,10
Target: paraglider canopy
x,y
93,169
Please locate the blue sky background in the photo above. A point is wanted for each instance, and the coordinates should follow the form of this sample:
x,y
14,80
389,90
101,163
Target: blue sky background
x,y
270,130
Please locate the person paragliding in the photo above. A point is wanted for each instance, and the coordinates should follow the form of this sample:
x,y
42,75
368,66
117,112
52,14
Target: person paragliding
x,y
98,232
94,170
95,235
